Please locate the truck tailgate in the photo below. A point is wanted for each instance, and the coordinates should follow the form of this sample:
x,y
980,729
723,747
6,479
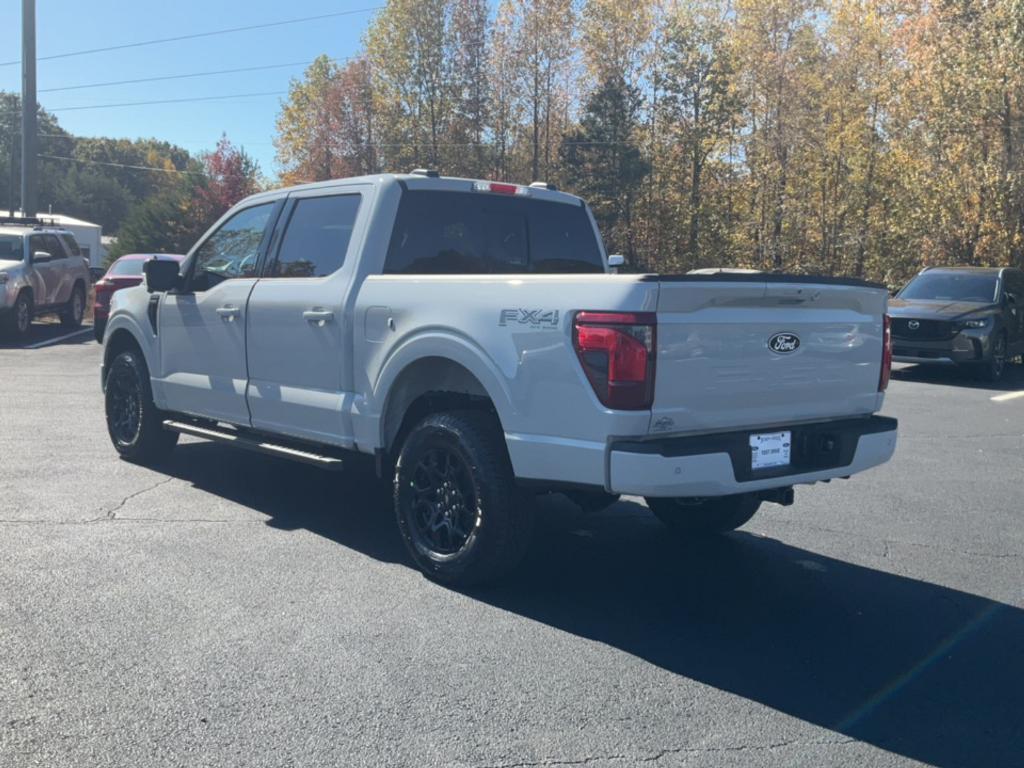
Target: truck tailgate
x,y
717,370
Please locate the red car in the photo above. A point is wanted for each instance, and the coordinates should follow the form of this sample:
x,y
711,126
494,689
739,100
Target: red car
x,y
123,273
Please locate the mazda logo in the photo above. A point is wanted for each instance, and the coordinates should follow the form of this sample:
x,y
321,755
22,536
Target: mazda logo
x,y
784,343
913,325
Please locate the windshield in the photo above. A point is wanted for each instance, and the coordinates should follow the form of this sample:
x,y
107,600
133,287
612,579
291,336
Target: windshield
x,y
127,267
951,286
10,248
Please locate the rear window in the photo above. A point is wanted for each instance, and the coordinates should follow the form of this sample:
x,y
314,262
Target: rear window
x,y
483,233
127,267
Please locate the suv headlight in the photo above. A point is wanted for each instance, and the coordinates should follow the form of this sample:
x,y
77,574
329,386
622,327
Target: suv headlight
x,y
974,323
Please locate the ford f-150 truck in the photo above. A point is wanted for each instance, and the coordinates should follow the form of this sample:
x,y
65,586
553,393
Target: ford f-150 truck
x,y
471,336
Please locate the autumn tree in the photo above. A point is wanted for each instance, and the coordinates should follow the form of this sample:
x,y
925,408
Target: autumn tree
x,y
602,163
309,125
409,46
229,175
699,104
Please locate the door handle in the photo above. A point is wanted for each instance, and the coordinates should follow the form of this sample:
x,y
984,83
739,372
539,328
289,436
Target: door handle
x,y
318,317
228,313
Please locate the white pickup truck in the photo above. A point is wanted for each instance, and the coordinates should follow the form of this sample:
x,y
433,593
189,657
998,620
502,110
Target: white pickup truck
x,y
471,336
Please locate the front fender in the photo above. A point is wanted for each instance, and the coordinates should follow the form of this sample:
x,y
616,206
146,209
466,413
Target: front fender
x,y
128,315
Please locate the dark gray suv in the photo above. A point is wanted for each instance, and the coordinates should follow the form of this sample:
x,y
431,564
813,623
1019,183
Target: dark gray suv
x,y
971,316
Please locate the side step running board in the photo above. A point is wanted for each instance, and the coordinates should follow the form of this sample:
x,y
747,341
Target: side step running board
x,y
252,443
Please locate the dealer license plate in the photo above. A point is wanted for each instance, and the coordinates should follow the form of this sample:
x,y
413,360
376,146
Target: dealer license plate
x,y
770,449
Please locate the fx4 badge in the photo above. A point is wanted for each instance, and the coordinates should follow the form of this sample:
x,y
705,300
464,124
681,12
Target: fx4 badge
x,y
784,343
533,318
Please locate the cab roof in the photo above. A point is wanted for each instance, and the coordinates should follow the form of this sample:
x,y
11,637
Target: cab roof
x,y
425,180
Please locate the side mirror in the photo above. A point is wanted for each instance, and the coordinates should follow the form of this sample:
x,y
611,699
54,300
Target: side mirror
x,y
161,275
41,257
616,260
1011,299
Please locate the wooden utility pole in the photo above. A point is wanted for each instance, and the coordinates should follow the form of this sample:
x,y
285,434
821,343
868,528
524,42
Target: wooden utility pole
x,y
28,108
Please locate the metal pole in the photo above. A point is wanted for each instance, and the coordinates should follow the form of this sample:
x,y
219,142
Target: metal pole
x,y
11,184
28,107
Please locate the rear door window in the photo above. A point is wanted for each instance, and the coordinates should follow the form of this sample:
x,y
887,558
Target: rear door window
x,y
71,244
1014,282
485,233
317,236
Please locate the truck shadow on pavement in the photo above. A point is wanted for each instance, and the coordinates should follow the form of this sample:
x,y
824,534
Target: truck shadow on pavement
x,y
918,669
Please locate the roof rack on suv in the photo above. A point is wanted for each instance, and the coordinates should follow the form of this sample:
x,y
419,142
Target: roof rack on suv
x,y
543,185
430,173
22,221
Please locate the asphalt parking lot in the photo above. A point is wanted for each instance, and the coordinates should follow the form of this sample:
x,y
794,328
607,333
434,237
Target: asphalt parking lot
x,y
230,609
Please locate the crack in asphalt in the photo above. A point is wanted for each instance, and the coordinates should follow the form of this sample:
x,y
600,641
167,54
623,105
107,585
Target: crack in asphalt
x,y
635,759
111,513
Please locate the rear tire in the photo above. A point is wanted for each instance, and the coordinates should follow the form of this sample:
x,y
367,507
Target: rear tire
x,y
74,310
459,512
134,424
702,516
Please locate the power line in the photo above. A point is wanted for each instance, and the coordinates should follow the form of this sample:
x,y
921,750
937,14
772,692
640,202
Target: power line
x,y
181,77
117,165
171,101
198,35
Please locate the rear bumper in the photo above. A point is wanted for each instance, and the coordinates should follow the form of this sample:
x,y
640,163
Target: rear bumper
x,y
719,464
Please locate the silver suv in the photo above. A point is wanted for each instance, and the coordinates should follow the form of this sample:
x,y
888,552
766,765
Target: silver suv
x,y
42,271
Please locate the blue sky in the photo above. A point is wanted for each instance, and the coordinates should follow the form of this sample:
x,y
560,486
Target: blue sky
x,y
73,25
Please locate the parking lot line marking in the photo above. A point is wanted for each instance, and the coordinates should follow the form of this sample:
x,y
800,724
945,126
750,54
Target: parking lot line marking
x,y
66,336
1007,396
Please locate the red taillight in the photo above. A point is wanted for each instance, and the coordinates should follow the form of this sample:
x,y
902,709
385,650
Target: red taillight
x,y
617,351
883,379
501,189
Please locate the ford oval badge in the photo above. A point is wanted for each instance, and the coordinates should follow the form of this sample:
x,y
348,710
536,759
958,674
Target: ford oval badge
x,y
784,343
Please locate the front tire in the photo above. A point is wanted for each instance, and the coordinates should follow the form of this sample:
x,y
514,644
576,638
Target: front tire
x,y
20,319
74,310
134,424
702,516
459,512
993,369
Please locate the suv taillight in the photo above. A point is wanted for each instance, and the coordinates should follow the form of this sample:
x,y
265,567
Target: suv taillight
x,y
883,379
617,351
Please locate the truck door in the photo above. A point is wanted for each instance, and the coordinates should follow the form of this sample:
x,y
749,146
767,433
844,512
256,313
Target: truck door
x,y
48,268
202,328
299,343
